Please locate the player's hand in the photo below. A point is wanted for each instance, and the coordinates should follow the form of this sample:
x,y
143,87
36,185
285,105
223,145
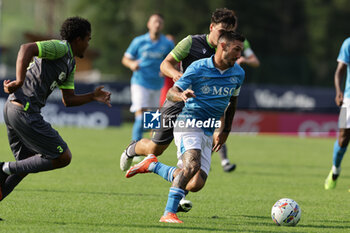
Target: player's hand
x,y
134,66
185,95
102,96
240,60
11,86
339,99
177,76
219,140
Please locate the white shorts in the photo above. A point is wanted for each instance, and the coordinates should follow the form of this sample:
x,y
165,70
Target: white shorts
x,y
194,140
142,97
344,115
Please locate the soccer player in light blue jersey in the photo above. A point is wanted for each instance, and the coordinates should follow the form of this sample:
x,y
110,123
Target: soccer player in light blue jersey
x,y
188,50
144,56
343,101
209,87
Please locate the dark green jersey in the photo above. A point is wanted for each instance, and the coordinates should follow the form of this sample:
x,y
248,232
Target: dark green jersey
x,y
53,67
195,47
192,48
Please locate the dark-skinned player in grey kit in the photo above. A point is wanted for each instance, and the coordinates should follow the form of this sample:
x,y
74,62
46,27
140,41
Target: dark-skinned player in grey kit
x,y
36,146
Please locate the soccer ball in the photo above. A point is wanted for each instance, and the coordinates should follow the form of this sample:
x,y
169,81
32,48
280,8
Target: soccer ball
x,y
137,159
186,205
286,212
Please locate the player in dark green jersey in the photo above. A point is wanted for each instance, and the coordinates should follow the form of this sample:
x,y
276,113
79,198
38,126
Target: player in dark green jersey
x,y
36,146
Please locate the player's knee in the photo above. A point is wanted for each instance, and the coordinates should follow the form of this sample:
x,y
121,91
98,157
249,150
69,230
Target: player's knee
x,y
344,137
156,149
64,160
67,158
191,169
343,141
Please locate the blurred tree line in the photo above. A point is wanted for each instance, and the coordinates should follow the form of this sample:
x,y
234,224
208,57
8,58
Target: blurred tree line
x,y
296,41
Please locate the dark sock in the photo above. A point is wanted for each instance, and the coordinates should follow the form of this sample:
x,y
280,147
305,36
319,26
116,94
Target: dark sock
x,y
131,150
335,176
223,152
32,164
11,182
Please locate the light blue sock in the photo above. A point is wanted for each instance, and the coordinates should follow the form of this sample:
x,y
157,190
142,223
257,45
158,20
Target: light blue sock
x,y
338,154
174,197
163,170
137,128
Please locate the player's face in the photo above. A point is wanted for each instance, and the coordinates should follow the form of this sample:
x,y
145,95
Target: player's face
x,y
231,52
217,29
82,45
155,24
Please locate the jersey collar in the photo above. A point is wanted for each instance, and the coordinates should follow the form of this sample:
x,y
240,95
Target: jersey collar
x,y
207,37
153,41
70,49
211,65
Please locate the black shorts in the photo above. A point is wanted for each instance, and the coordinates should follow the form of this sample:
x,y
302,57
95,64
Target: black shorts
x,y
30,134
169,111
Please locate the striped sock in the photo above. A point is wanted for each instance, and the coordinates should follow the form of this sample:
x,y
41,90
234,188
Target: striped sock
x,y
165,171
174,197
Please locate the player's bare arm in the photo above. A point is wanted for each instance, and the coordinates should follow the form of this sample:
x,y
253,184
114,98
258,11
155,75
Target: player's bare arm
x,y
24,57
167,67
229,114
252,61
69,98
133,65
225,129
191,165
175,94
338,77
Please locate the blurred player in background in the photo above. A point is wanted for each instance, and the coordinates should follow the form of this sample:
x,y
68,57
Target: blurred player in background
x,y
202,102
36,146
343,101
190,49
143,57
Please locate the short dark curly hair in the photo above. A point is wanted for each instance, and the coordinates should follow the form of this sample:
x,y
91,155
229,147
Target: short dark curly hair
x,y
75,27
224,16
231,36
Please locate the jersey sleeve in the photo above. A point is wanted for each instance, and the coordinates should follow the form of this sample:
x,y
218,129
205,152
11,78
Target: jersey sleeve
x,y
69,83
247,50
186,79
52,49
237,91
241,78
182,49
132,50
344,53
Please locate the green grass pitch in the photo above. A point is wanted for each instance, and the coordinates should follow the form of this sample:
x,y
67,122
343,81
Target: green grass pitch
x,y
92,195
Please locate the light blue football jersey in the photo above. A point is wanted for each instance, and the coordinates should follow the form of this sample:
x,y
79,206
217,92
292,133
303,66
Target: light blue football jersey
x,y
213,89
150,55
344,56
